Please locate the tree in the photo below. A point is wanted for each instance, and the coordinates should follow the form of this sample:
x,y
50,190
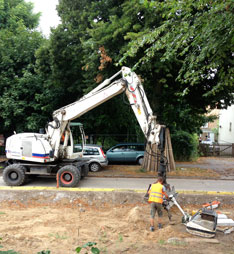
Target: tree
x,y
197,36
19,83
174,47
119,33
14,13
77,69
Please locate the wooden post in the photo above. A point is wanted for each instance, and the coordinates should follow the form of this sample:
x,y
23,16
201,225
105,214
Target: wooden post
x,y
154,158
152,155
232,149
170,152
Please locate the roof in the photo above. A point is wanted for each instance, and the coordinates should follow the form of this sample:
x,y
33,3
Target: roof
x,y
139,144
89,145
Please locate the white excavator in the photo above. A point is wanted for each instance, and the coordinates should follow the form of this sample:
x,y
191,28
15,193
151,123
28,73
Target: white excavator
x,y
52,153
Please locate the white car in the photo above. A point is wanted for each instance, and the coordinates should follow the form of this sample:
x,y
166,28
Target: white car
x,y
208,142
95,154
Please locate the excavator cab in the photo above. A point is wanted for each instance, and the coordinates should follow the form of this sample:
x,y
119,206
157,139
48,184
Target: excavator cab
x,y
73,132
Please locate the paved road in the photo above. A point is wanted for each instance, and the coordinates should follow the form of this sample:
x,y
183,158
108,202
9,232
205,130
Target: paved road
x,y
140,183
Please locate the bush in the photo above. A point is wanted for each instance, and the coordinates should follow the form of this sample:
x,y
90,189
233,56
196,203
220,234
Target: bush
x,y
185,146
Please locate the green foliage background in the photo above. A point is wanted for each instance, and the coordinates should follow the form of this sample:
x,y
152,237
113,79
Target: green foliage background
x,y
182,50
184,145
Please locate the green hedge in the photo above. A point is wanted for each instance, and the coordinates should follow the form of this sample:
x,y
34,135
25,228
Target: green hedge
x,y
185,146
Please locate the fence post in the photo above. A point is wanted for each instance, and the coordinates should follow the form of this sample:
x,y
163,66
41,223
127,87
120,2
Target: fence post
x,y
232,149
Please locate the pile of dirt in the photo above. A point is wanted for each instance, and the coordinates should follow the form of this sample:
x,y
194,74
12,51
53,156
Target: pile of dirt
x,y
135,215
61,227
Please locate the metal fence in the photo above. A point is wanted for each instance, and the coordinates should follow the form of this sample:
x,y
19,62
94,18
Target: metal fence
x,y
217,149
109,140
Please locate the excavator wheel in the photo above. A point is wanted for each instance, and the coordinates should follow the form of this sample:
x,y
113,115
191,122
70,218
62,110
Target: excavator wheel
x,y
69,176
14,175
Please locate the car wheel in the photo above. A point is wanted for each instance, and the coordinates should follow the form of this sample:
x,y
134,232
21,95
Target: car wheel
x,y
14,175
140,160
94,166
69,176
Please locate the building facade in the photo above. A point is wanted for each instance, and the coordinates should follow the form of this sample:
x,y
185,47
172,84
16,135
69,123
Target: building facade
x,y
226,125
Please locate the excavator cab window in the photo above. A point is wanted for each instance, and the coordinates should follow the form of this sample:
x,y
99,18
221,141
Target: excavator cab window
x,y
78,134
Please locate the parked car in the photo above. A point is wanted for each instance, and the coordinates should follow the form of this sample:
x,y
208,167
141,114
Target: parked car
x,y
95,154
207,142
126,152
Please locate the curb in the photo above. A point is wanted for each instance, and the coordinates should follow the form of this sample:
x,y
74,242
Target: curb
x,y
36,188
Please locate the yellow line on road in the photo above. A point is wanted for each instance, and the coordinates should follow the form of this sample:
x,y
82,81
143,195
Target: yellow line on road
x,y
206,192
37,188
29,188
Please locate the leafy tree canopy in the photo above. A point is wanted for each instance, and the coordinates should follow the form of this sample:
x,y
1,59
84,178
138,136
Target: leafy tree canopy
x,y
19,83
74,67
15,13
198,37
181,49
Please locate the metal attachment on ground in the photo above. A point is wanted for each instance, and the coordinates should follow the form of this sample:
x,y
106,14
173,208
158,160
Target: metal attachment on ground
x,y
203,223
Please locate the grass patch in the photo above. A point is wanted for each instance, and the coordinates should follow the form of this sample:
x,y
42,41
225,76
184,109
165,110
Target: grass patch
x,y
138,171
162,242
120,238
141,170
178,243
183,171
58,236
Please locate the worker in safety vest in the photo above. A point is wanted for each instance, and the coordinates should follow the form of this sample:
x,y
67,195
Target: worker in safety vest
x,y
156,193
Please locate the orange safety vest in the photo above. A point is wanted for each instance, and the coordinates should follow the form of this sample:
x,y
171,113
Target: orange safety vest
x,y
156,193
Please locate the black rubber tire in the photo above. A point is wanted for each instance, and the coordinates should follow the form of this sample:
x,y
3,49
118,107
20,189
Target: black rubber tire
x,y
140,160
80,173
84,171
14,175
94,167
69,176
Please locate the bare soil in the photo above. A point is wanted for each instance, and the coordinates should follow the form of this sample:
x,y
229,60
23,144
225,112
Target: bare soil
x,y
61,227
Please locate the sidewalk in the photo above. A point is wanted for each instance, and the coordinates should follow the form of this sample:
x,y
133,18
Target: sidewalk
x,y
222,166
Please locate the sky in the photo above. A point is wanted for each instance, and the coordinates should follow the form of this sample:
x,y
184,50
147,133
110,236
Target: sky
x,y
49,17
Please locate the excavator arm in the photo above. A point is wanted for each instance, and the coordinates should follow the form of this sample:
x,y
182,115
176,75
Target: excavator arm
x,y
130,84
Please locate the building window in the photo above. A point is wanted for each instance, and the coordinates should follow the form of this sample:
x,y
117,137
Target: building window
x,y
230,126
205,125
